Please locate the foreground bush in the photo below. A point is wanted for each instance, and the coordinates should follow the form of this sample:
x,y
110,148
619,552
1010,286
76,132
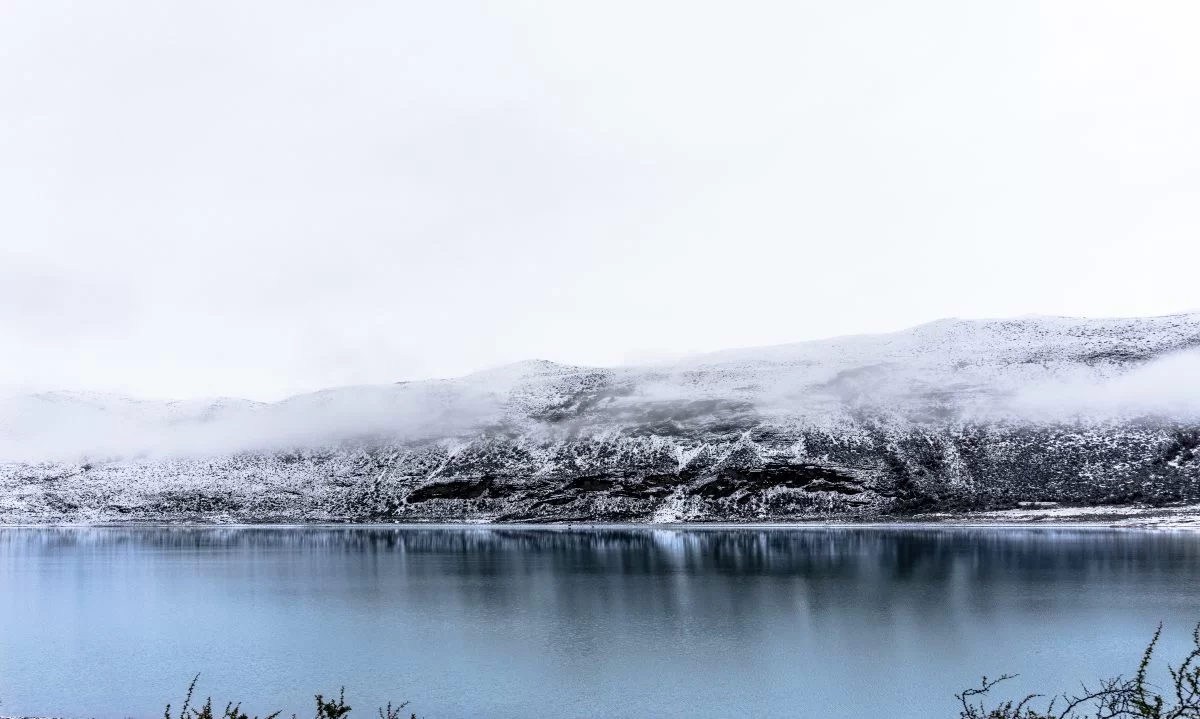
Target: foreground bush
x,y
1117,698
325,709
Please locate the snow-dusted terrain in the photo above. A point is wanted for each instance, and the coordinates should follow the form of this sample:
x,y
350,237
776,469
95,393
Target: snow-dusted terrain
x,y
954,415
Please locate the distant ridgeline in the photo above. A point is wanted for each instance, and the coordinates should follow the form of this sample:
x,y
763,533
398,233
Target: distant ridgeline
x,y
951,416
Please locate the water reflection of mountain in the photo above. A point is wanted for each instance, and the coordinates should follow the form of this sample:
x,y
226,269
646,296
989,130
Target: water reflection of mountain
x,y
870,565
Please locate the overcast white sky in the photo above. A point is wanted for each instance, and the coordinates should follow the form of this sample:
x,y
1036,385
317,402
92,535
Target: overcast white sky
x,y
263,198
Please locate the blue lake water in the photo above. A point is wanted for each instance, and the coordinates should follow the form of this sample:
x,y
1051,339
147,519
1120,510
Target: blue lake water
x,y
520,622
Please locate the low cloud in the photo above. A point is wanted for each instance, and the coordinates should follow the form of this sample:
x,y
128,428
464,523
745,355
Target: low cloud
x,y
81,425
78,426
1167,387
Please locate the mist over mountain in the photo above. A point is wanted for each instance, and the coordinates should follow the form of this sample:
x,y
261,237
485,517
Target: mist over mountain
x,y
951,414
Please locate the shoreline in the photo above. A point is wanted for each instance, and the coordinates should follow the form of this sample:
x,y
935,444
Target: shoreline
x,y
1179,518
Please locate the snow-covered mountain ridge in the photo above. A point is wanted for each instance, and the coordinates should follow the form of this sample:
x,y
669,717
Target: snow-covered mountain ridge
x,y
955,413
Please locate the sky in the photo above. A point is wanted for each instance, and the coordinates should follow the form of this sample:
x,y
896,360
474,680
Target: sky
x,y
261,199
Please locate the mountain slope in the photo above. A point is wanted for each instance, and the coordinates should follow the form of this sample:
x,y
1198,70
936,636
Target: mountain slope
x,y
955,414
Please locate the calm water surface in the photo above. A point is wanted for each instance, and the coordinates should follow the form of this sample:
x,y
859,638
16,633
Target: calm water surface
x,y
516,622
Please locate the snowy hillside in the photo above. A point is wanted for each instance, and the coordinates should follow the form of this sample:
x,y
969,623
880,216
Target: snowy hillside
x,y
955,413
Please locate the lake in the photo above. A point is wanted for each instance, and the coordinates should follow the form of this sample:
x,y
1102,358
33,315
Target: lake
x,y
584,622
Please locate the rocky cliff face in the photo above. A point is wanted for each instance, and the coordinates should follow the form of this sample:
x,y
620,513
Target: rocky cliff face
x,y
955,415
